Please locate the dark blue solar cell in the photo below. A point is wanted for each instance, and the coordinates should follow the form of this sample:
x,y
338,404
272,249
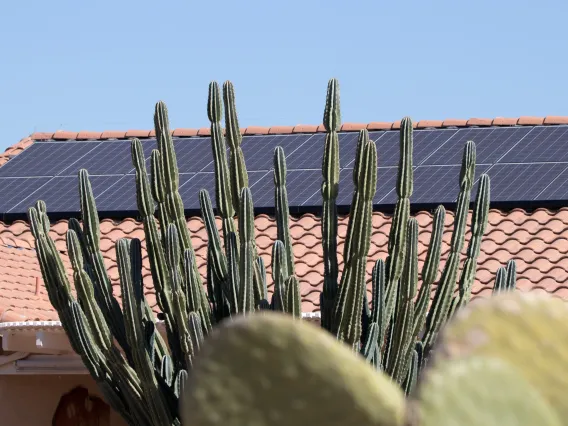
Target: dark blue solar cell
x,y
523,182
204,180
440,184
491,144
310,156
108,158
193,154
388,145
556,188
121,197
46,159
259,150
61,194
386,185
14,190
301,186
541,144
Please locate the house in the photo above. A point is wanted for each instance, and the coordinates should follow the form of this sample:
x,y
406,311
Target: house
x,y
526,158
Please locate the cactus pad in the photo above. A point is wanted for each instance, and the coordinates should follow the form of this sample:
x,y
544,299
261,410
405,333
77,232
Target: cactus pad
x,y
271,370
527,331
481,391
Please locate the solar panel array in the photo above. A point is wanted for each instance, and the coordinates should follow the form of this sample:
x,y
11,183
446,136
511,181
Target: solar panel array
x,y
526,165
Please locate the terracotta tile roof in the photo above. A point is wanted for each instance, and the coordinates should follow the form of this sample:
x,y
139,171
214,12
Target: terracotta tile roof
x,y
299,128
538,241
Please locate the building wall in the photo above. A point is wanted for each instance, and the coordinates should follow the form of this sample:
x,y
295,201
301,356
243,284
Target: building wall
x,y
31,400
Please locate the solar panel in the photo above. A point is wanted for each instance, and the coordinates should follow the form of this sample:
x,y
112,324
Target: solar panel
x,y
440,184
556,189
13,190
61,194
104,159
388,145
46,159
541,144
311,154
193,154
386,185
491,144
301,185
511,182
525,163
386,179
259,150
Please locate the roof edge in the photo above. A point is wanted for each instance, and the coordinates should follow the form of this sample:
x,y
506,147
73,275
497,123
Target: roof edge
x,y
62,135
305,128
52,325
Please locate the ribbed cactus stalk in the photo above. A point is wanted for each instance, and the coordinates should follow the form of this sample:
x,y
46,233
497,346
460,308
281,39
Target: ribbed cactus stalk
x,y
443,298
402,340
329,191
397,235
282,210
348,308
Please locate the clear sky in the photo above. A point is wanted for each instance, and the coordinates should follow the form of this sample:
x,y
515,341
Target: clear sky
x,y
102,65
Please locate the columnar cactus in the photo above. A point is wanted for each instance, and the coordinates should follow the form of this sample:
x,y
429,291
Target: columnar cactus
x,y
143,374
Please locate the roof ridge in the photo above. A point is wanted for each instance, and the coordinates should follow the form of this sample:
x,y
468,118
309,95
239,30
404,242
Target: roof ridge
x,y
305,128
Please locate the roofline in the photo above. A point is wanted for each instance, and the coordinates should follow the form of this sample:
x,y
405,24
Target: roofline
x,y
306,128
55,325
62,135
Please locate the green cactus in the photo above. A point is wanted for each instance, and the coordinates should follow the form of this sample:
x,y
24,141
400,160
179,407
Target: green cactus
x,y
480,391
269,370
142,374
526,331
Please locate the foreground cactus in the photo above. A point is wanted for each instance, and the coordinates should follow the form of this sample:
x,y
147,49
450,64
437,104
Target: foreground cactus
x,y
481,391
142,374
269,370
526,331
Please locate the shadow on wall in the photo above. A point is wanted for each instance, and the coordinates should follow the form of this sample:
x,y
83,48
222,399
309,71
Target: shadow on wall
x,y
78,408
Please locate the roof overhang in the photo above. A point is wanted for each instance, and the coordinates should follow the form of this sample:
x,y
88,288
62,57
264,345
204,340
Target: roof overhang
x,y
46,344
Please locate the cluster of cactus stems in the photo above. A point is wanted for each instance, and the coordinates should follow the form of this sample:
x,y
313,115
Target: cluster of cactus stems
x,y
142,375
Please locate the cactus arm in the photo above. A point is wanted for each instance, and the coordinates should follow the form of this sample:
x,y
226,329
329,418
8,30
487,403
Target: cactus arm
x,y
329,191
443,296
348,310
246,265
222,180
397,235
293,301
500,280
404,315
479,223
218,258
132,293
102,284
282,214
511,275
238,171
278,264
430,269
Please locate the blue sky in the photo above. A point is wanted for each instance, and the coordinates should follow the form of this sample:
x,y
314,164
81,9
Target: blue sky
x,y
102,65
